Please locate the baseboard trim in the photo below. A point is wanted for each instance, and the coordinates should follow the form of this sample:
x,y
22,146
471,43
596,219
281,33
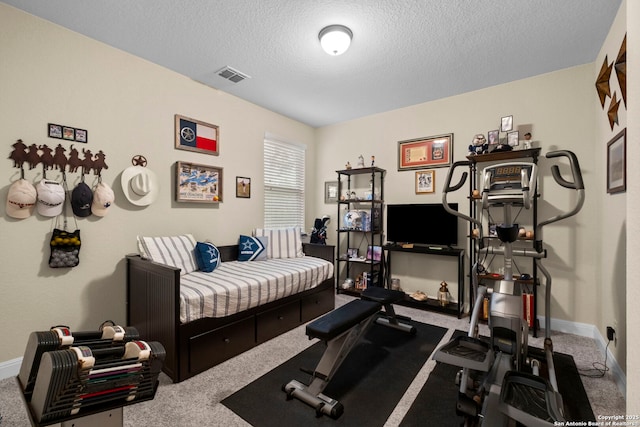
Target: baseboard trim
x,y
10,368
590,331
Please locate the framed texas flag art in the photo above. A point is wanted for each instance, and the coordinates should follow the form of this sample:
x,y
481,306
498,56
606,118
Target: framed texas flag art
x,y
194,135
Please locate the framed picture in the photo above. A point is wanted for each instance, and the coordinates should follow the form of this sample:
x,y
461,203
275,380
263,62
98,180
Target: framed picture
x,y
374,253
513,138
81,135
425,182
331,190
434,151
506,124
352,253
55,131
198,183
617,163
493,136
198,136
68,133
243,187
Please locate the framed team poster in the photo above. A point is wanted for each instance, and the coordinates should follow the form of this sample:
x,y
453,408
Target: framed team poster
x,y
198,183
198,136
431,152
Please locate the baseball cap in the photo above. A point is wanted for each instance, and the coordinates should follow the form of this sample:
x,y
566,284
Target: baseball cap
x,y
21,199
103,197
51,197
81,198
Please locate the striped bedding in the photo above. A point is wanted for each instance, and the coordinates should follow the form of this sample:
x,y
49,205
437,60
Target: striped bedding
x,y
236,286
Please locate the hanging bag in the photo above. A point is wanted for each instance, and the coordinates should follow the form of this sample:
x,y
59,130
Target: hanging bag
x,y
65,245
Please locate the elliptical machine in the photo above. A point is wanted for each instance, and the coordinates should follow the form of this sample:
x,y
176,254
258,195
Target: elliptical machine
x,y
500,381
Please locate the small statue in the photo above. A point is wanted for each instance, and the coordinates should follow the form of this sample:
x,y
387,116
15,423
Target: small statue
x,y
527,140
373,161
347,166
360,161
478,145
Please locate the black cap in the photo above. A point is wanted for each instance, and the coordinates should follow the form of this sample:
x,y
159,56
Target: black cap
x,y
81,199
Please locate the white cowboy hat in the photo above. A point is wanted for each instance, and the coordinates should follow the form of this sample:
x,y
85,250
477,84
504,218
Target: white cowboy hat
x,y
140,185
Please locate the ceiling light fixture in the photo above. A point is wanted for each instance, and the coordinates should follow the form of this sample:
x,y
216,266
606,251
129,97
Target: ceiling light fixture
x,y
335,39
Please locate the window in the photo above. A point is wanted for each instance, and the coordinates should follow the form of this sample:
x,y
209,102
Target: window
x,y
283,184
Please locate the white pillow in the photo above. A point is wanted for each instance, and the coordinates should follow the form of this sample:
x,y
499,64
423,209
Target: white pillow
x,y
283,242
175,251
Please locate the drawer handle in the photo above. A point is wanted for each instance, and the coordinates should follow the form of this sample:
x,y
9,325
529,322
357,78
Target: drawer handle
x,y
227,340
280,317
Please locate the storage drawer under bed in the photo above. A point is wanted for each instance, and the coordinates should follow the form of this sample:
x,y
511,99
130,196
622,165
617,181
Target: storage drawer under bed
x,y
274,322
317,304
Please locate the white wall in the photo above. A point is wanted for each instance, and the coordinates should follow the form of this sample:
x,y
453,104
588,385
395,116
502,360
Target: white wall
x,y
50,74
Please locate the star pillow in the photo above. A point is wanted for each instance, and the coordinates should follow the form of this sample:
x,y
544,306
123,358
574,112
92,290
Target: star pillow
x,y
252,248
207,257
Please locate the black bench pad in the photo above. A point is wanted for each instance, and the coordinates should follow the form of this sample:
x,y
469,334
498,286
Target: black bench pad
x,y
342,319
382,295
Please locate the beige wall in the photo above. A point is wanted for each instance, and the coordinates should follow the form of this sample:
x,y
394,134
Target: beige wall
x,y
50,74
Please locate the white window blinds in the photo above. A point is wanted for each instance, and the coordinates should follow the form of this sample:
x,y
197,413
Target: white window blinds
x,y
283,184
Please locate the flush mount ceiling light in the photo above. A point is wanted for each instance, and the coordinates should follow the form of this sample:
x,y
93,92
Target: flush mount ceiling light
x,y
335,39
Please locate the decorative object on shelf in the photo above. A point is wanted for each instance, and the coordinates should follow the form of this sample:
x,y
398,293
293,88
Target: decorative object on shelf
x,y
419,296
198,183
352,220
425,182
352,253
478,145
617,163
493,136
331,191
374,253
347,166
512,138
348,283
67,132
527,140
506,124
360,161
395,284
443,294
195,135
139,183
243,187
434,151
373,161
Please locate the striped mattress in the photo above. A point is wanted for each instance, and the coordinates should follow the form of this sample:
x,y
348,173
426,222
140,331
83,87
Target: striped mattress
x,y
236,286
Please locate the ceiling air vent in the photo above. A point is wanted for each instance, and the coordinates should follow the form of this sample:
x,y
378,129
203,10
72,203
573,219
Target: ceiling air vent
x,y
231,74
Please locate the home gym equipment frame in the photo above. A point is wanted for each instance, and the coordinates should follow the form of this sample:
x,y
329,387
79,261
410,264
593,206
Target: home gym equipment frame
x,y
495,385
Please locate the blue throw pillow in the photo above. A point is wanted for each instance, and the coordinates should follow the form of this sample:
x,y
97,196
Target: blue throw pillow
x,y
207,257
252,248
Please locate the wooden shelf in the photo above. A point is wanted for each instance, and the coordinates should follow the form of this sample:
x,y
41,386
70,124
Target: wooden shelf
x,y
505,155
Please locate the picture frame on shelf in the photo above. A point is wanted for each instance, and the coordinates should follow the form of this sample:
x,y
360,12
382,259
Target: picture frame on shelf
x,y
430,152
617,163
198,183
513,138
196,135
243,187
352,253
331,191
425,181
493,137
374,253
506,124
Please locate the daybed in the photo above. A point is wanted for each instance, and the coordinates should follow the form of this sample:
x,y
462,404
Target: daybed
x,y
154,305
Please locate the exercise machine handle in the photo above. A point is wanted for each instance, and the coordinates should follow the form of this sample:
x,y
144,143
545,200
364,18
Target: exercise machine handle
x,y
449,188
577,183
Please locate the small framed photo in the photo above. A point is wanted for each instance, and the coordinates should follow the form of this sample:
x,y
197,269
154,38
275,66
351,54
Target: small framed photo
x,y
617,163
493,136
506,124
195,135
243,187
352,253
331,191
430,152
374,253
68,133
513,138
55,131
81,135
198,183
425,181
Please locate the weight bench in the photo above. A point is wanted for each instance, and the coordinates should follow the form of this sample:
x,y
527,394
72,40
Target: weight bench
x,y
341,329
387,298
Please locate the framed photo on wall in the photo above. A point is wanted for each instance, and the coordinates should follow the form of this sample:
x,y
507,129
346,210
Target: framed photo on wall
x,y
430,152
425,182
331,190
198,183
617,163
243,187
196,135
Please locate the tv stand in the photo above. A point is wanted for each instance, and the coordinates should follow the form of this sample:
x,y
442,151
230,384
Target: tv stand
x,y
431,303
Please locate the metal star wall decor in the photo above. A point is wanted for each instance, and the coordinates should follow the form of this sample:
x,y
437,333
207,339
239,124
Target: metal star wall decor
x,y
613,111
621,69
602,82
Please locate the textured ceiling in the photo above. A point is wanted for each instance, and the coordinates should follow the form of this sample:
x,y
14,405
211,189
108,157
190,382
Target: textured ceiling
x,y
404,52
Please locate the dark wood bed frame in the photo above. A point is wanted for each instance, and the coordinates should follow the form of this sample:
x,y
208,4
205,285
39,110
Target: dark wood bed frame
x,y
153,307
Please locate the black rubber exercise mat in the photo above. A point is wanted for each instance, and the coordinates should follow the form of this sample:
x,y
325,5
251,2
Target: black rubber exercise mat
x,y
371,381
436,402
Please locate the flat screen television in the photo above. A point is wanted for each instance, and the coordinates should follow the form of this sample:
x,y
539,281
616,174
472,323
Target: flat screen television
x,y
423,224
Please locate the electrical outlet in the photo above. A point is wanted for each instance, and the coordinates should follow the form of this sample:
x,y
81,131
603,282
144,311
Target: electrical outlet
x,y
611,333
